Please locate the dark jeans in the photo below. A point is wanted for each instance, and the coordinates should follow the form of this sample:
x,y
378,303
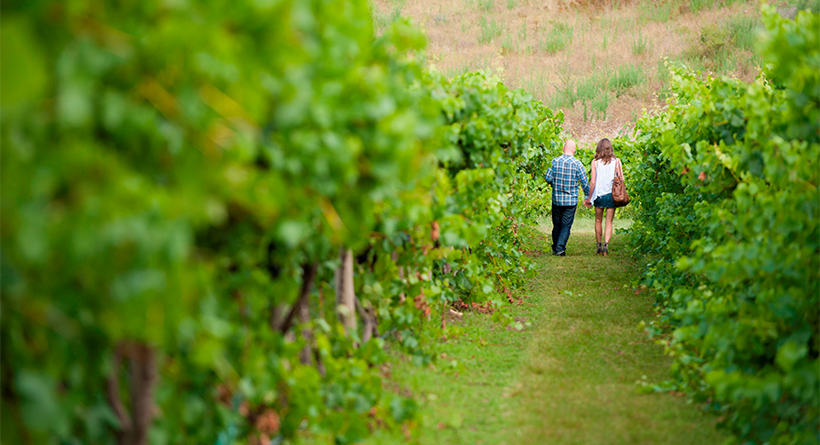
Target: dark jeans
x,y
562,219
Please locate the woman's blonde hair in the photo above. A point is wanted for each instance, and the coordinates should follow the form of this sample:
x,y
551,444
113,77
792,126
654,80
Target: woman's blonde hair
x,y
604,151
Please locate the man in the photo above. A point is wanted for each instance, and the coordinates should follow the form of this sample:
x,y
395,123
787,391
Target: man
x,y
564,175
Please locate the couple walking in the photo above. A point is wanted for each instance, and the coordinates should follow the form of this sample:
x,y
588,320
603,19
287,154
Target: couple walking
x,y
565,175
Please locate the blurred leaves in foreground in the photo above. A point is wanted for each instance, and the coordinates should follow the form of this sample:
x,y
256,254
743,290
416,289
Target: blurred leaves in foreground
x,y
178,181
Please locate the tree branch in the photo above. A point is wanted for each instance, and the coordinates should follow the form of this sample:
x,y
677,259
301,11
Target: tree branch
x,y
308,273
112,393
143,379
345,290
371,328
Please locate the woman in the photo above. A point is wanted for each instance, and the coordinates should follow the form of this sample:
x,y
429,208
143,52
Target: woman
x,y
603,170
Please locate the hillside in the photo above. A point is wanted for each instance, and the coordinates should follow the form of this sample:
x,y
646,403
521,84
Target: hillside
x,y
601,62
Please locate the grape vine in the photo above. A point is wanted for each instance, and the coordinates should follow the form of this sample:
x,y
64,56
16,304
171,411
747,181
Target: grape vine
x,y
216,216
729,216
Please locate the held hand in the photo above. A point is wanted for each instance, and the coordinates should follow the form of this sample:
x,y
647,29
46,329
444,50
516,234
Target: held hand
x,y
587,204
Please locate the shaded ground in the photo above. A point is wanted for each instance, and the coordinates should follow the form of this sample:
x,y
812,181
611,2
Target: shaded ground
x,y
567,378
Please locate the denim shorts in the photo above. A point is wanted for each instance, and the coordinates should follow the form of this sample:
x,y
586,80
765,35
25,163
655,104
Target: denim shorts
x,y
604,202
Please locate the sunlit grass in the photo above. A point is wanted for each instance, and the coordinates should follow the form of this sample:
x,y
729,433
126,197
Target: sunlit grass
x,y
567,378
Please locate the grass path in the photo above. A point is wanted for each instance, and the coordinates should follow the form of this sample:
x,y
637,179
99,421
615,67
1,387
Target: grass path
x,y
567,378
577,382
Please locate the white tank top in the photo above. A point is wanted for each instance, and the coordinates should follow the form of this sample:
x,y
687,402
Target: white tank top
x,y
604,175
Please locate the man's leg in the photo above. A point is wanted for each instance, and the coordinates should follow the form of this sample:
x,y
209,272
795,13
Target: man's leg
x,y
556,226
567,218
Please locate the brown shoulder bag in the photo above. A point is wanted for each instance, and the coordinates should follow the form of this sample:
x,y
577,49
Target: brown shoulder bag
x,y
619,194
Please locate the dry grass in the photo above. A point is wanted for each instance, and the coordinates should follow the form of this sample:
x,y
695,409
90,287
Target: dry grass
x,y
603,38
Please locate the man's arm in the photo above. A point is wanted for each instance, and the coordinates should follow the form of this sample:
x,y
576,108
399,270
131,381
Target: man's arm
x,y
592,174
582,178
550,176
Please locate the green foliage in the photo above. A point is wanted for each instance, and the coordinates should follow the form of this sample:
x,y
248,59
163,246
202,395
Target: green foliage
x,y
522,32
599,106
743,30
663,76
557,38
590,87
712,39
169,184
640,45
729,212
658,11
489,30
712,50
504,140
807,5
382,21
591,91
161,195
28,81
479,5
699,5
625,77
507,44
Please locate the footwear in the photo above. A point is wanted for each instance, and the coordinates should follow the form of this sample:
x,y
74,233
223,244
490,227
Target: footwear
x,y
605,249
560,253
599,248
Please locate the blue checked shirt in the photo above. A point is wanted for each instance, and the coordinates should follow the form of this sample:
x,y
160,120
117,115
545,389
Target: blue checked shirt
x,y
564,175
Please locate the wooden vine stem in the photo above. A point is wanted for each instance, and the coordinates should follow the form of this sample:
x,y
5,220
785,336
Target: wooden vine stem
x,y
345,293
134,426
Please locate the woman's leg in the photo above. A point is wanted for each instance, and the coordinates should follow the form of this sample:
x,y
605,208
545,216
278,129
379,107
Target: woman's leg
x,y
599,216
610,217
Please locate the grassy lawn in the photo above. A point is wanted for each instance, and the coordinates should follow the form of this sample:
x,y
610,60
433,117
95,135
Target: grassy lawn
x,y
567,378
578,380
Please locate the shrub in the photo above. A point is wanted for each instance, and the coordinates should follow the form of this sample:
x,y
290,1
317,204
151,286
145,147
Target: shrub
x,y
557,38
640,45
178,196
730,216
743,31
489,30
625,77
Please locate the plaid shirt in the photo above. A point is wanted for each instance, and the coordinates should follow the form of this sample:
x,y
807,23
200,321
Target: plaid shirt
x,y
564,175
